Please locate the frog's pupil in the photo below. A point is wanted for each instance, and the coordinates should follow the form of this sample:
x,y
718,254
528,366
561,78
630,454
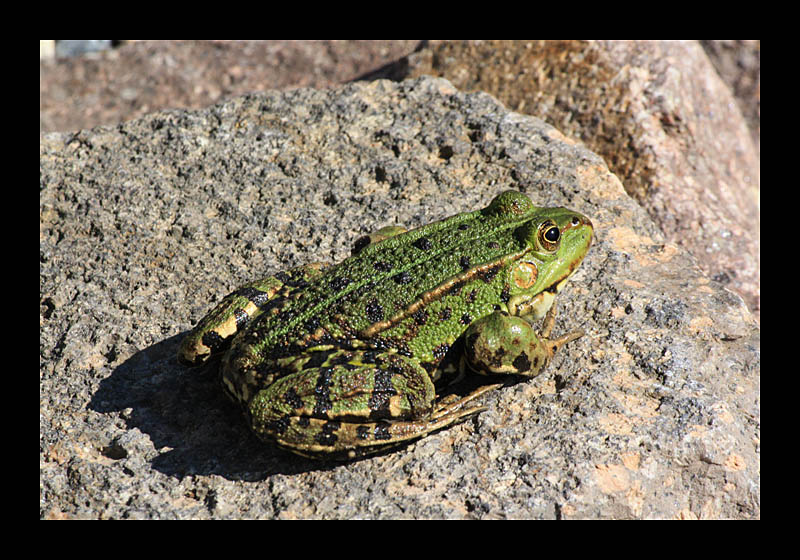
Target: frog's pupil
x,y
551,234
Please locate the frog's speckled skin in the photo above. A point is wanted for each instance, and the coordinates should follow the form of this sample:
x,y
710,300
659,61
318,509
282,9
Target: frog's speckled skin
x,y
341,360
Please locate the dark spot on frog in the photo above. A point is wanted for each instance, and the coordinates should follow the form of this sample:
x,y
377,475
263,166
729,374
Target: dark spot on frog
x,y
279,425
381,266
381,393
440,351
423,244
360,244
489,274
291,398
213,340
327,434
382,431
522,363
322,391
455,289
369,357
363,432
374,311
255,295
312,324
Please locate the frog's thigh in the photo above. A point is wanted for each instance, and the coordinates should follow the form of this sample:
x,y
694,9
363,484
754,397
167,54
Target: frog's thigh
x,y
348,406
214,332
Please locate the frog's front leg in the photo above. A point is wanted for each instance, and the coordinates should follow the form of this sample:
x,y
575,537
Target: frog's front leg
x,y
504,344
364,403
214,332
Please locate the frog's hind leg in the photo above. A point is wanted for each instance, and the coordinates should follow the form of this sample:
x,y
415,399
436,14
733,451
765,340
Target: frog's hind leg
x,y
354,404
214,333
447,412
452,404
375,437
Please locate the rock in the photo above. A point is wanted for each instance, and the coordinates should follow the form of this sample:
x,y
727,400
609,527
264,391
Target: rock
x,y
653,414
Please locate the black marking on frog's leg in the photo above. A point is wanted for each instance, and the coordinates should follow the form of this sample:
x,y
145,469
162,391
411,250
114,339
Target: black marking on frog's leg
x,y
242,318
382,391
232,315
522,362
312,324
280,425
258,297
327,434
214,341
291,398
382,431
323,402
363,432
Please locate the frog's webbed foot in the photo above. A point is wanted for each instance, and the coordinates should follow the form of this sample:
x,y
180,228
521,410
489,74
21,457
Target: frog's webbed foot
x,y
452,404
547,328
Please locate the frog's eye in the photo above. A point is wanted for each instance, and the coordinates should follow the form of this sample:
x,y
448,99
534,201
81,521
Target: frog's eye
x,y
549,236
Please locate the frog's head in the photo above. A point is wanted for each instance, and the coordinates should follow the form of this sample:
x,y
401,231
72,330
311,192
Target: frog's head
x,y
557,240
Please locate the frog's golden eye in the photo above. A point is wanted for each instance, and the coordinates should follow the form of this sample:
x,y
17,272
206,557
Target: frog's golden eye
x,y
549,236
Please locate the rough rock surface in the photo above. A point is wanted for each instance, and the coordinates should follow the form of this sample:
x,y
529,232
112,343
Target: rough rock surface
x,y
654,414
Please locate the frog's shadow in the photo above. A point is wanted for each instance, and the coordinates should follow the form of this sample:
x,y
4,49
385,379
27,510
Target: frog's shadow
x,y
193,427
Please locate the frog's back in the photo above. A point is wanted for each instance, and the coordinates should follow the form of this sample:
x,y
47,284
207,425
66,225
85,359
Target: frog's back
x,y
363,294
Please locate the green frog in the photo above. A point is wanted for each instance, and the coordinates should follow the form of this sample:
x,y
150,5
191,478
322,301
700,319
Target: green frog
x,y
342,361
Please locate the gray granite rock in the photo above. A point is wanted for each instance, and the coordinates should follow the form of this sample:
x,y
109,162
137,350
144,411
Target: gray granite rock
x,y
654,414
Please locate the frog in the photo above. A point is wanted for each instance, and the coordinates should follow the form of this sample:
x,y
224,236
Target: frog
x,y
347,360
